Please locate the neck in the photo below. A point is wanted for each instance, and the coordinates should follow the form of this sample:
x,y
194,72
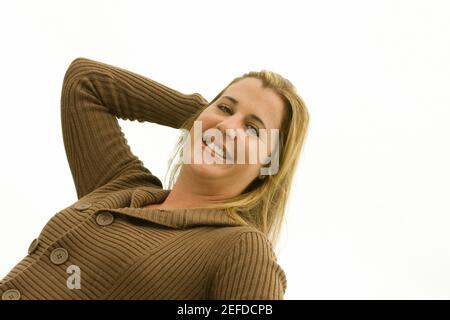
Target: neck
x,y
191,192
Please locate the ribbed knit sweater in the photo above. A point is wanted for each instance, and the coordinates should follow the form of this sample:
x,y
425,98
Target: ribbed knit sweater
x,y
107,242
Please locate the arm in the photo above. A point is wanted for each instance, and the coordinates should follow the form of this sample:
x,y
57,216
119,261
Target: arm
x,y
249,272
94,95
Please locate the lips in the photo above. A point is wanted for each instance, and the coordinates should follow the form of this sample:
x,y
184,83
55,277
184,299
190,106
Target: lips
x,y
220,146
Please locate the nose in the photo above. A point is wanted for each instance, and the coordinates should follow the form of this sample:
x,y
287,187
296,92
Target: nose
x,y
230,127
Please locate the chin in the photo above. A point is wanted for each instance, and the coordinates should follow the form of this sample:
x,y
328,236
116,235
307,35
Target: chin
x,y
208,168
213,170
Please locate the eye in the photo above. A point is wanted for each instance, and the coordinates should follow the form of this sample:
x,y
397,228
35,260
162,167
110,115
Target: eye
x,y
253,130
222,107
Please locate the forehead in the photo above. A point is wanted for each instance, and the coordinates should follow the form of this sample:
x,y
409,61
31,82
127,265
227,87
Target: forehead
x,y
253,98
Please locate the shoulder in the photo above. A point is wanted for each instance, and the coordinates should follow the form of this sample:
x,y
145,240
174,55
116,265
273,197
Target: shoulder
x,y
249,269
247,235
253,242
243,238
229,237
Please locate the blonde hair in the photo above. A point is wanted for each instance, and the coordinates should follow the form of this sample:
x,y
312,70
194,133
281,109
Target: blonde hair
x,y
263,203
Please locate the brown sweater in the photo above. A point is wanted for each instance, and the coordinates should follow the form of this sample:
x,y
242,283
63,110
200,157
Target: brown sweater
x,y
122,250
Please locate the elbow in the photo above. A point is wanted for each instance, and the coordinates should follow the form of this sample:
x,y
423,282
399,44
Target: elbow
x,y
78,67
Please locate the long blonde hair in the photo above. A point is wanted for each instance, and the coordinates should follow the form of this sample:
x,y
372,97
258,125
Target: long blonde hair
x,y
263,203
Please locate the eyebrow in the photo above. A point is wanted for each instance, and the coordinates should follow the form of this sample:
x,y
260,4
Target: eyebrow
x,y
252,116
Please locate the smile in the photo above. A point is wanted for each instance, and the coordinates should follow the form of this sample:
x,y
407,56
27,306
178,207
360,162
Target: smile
x,y
214,149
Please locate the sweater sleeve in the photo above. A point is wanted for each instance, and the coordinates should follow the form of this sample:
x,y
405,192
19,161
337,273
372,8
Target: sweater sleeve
x,y
250,272
93,96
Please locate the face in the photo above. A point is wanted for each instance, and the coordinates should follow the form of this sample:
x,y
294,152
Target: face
x,y
235,124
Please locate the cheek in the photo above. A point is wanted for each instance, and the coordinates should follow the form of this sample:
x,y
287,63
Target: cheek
x,y
270,141
248,150
206,119
209,116
203,122
254,149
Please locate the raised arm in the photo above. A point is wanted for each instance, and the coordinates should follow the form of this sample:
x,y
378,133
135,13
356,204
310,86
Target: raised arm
x,y
94,95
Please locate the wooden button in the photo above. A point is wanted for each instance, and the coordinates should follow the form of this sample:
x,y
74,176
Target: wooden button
x,y
33,246
11,294
104,218
59,256
82,205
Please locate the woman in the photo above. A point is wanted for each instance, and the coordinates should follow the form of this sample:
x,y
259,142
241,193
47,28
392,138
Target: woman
x,y
209,236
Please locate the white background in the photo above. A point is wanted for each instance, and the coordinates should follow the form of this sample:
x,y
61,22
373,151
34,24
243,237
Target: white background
x,y
369,214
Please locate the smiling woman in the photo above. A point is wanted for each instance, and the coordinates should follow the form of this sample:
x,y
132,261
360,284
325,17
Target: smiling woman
x,y
206,237
255,101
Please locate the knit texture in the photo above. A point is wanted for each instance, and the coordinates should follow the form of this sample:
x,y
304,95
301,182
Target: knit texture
x,y
123,250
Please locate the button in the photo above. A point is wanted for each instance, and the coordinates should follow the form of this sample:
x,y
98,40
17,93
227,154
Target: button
x,y
11,294
104,218
33,246
59,256
82,205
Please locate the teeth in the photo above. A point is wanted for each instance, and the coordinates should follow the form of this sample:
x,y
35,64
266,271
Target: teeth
x,y
215,148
